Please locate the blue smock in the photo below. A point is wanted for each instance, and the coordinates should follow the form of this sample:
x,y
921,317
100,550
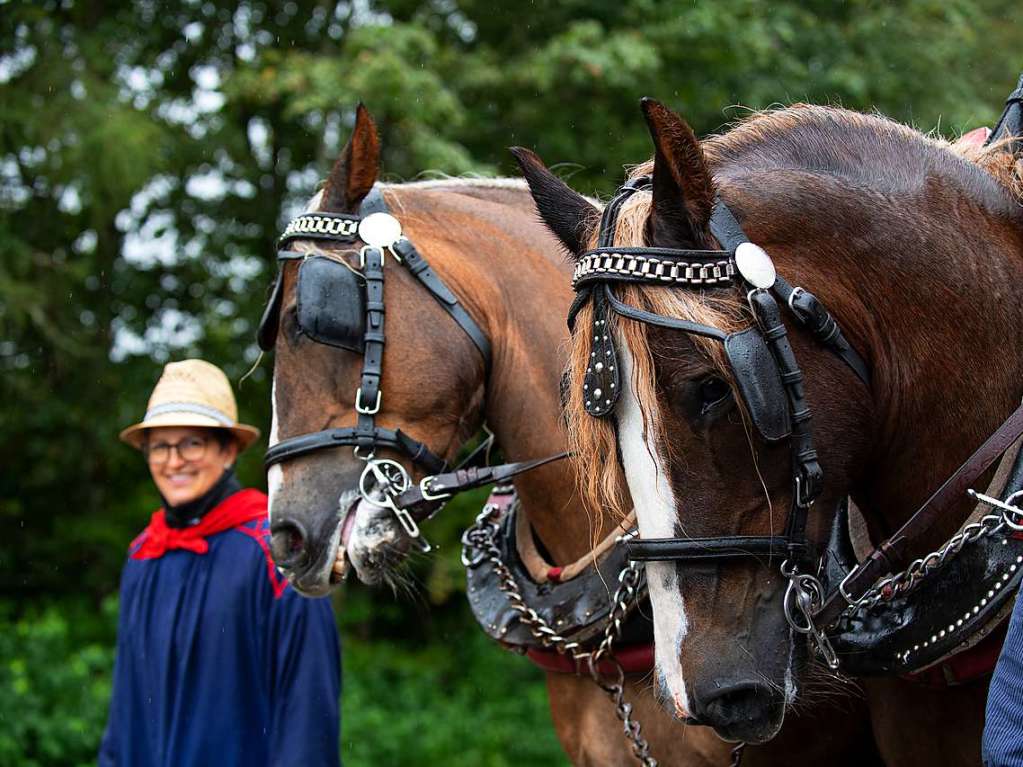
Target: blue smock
x,y
220,662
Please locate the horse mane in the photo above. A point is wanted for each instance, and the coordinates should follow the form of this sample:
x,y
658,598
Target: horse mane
x,y
863,150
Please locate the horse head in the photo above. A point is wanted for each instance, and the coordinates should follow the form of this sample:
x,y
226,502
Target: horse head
x,y
701,438
429,382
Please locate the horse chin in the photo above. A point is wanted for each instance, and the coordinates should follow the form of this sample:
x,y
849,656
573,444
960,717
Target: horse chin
x,y
754,731
316,581
376,544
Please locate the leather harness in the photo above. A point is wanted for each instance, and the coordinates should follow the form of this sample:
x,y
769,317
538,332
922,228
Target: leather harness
x,y
811,608
384,482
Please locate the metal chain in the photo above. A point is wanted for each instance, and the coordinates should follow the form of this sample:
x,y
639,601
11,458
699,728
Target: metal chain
x,y
481,537
903,582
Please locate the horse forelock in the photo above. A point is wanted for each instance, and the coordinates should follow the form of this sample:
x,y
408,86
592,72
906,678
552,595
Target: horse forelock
x,y
593,440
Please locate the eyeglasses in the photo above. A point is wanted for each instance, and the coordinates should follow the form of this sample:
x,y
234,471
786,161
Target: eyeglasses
x,y
189,449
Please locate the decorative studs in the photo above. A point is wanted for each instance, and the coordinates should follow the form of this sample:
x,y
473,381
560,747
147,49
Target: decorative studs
x,y
599,366
598,393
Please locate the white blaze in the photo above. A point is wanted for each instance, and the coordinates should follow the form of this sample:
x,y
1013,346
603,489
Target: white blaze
x,y
275,474
655,512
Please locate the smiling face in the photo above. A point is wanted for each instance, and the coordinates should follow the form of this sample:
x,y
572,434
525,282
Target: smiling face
x,y
186,461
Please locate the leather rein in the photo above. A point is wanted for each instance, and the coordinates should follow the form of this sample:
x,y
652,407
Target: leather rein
x,y
385,482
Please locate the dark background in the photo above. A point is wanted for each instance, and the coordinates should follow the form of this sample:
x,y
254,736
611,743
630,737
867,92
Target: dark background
x,y
150,151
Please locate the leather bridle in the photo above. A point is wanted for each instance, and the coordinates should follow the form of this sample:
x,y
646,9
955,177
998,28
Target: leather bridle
x,y
384,482
383,479
738,263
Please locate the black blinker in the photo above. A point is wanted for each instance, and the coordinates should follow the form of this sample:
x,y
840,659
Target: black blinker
x,y
266,334
331,303
756,375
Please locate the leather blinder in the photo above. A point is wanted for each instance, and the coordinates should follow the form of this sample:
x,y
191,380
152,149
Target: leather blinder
x,y
331,303
759,383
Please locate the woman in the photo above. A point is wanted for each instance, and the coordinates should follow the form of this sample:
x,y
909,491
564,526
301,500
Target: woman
x,y
218,659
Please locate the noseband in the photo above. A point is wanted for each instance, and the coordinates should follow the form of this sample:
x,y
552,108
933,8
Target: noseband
x,y
765,369
330,295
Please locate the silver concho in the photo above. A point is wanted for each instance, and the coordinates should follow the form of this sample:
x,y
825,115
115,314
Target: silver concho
x,y
379,230
755,265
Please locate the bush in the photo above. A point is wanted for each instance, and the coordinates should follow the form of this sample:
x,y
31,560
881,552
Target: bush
x,y
462,703
54,691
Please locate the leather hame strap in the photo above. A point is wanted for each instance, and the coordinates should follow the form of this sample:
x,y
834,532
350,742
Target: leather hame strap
x,y
1011,121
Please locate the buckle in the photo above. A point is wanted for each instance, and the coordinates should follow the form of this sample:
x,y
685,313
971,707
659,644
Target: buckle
x,y
429,495
803,498
851,600
366,410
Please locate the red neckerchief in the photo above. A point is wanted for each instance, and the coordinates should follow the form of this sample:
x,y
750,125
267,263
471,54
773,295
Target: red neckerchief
x,y
158,538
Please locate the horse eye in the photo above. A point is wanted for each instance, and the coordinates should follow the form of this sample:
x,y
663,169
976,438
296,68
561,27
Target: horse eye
x,y
713,391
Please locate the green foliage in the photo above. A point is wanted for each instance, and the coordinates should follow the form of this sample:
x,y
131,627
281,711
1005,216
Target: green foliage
x,y
460,702
54,691
151,152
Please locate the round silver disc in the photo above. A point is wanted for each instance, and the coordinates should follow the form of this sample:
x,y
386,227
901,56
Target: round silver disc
x,y
755,266
378,230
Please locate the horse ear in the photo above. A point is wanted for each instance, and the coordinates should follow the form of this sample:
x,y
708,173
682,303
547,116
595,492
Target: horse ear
x,y
566,212
683,192
356,170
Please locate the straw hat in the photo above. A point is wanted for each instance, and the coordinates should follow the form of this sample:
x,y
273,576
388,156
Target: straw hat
x,y
192,393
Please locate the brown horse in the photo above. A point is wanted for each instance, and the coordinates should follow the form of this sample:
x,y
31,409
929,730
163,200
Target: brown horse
x,y
919,255
483,239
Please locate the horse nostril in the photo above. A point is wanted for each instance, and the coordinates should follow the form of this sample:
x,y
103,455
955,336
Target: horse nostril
x,y
740,703
287,544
